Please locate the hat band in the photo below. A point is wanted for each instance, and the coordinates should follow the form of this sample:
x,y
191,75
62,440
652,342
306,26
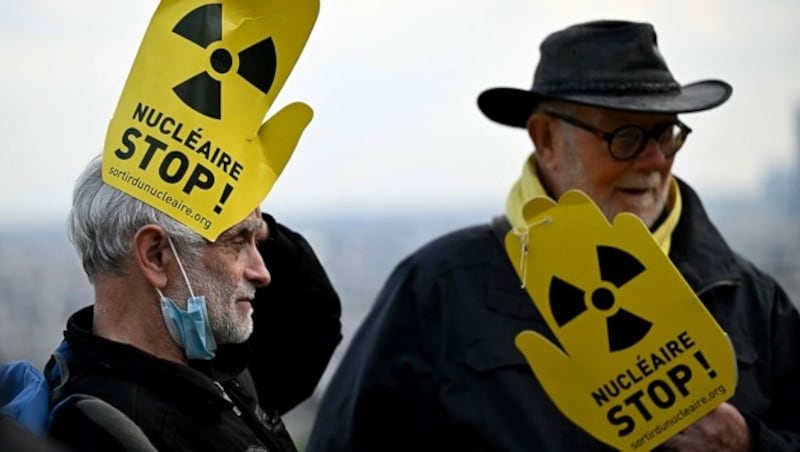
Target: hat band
x,y
613,88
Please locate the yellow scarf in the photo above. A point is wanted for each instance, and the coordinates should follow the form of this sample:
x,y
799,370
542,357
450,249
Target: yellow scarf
x,y
528,186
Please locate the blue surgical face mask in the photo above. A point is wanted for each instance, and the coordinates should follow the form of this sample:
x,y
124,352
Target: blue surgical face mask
x,y
189,327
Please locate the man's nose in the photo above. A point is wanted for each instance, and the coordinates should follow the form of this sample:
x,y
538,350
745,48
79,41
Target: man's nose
x,y
652,154
256,272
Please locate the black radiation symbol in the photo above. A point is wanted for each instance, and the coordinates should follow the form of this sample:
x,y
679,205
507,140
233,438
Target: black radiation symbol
x,y
257,63
617,267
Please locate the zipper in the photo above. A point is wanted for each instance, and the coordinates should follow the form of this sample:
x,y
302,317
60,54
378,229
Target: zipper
x,y
225,396
272,433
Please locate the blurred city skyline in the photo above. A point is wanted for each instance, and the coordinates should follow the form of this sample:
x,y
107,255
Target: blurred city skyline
x,y
393,86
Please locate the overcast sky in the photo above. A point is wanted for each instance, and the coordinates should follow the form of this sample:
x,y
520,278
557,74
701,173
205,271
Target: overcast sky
x,y
393,85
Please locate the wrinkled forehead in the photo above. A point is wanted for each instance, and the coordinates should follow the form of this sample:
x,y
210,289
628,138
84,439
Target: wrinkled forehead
x,y
253,224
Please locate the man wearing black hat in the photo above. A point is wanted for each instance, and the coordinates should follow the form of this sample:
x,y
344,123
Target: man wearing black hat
x,y
434,366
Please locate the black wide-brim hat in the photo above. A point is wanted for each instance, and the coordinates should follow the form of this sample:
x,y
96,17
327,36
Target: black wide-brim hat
x,y
608,64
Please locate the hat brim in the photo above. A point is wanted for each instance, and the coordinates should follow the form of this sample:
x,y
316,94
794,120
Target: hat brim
x,y
513,106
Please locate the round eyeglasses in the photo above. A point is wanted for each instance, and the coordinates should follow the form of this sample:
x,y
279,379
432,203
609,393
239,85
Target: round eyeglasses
x,y
626,142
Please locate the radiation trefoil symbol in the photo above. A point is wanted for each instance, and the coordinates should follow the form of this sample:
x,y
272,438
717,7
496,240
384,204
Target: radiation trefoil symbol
x,y
617,267
256,64
634,345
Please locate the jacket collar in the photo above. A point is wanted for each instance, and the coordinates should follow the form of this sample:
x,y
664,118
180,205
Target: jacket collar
x,y
94,352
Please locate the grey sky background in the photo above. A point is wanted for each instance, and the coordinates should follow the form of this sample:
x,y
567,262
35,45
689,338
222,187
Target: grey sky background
x,y
393,86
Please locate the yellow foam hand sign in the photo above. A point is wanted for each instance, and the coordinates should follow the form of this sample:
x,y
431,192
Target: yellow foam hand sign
x,y
639,357
186,137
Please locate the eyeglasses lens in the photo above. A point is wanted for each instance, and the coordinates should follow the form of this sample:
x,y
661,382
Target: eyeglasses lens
x,y
628,141
625,143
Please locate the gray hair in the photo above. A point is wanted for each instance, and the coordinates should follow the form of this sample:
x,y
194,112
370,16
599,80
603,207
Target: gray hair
x,y
103,221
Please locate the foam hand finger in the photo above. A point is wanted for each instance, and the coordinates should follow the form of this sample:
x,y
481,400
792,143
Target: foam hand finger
x,y
560,377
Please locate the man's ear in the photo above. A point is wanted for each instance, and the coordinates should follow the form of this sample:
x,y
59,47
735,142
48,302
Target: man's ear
x,y
539,129
152,251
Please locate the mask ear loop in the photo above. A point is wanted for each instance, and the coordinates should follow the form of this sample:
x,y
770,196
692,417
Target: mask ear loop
x,y
180,265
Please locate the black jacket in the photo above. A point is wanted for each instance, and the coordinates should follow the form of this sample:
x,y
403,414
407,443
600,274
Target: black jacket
x,y
210,405
434,365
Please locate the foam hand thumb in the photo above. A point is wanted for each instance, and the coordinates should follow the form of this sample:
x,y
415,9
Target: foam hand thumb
x,y
280,134
562,379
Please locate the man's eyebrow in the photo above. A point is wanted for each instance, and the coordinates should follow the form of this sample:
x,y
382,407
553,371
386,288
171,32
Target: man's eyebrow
x,y
262,230
250,226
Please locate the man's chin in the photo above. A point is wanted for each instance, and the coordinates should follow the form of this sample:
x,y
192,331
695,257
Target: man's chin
x,y
236,334
647,213
244,330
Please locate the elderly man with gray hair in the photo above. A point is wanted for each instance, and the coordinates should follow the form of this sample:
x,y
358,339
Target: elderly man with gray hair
x,y
202,344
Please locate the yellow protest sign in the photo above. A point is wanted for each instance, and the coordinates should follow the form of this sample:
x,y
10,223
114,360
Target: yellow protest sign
x,y
640,358
186,136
